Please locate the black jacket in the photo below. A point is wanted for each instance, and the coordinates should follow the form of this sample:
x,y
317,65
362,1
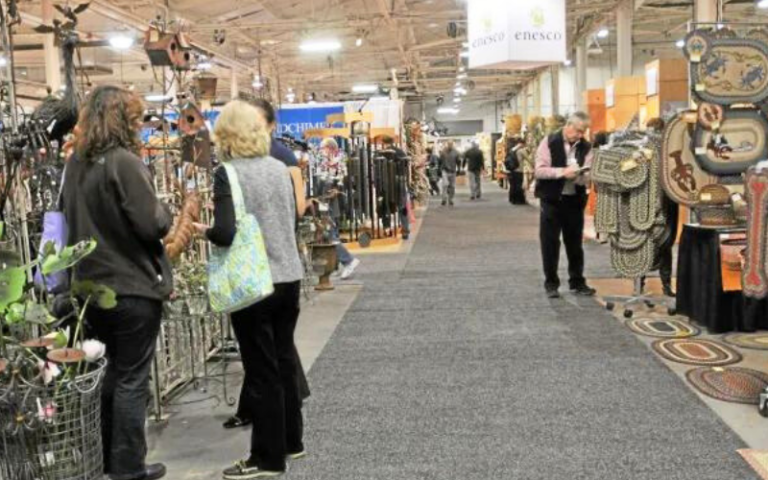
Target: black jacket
x,y
552,190
511,161
475,160
113,200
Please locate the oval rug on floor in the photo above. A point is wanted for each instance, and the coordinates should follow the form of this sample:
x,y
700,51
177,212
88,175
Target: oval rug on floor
x,y
753,341
693,351
662,327
734,384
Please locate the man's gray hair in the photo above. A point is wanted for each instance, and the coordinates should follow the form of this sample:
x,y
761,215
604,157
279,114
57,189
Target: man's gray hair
x,y
579,118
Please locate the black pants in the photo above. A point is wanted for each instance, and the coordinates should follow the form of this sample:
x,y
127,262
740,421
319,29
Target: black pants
x,y
265,334
130,332
516,192
564,217
242,407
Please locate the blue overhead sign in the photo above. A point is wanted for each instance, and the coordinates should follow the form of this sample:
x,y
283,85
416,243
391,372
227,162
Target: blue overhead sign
x,y
294,120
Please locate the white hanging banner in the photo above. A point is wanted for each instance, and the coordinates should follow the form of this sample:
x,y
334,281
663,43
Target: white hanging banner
x,y
517,34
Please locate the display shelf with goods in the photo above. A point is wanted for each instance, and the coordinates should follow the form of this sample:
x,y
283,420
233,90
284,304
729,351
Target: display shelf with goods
x,y
666,87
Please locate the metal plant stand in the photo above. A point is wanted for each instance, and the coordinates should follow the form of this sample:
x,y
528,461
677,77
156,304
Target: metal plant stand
x,y
640,298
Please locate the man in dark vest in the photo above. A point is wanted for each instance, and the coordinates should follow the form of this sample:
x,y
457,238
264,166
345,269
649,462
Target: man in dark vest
x,y
562,175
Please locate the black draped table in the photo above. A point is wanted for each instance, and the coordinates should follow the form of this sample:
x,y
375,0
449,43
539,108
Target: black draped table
x,y
700,294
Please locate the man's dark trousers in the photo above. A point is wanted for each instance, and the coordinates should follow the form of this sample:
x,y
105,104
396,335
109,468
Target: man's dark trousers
x,y
565,217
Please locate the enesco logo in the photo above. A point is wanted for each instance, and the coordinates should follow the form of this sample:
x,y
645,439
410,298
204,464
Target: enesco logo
x,y
538,21
537,17
489,38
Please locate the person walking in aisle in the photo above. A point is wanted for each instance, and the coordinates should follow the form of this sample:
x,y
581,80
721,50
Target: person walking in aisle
x,y
514,168
265,330
277,149
433,172
563,160
475,170
449,163
331,174
108,195
404,166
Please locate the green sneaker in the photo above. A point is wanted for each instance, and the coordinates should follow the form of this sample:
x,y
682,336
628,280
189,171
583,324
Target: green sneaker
x,y
245,470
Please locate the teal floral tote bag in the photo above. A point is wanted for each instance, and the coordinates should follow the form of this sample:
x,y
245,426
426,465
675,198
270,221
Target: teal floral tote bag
x,y
239,275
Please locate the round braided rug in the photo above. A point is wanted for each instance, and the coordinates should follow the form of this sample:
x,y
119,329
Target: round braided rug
x,y
662,327
734,384
696,352
753,341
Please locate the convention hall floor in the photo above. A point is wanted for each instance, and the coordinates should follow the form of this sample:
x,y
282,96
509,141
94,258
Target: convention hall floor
x,y
444,360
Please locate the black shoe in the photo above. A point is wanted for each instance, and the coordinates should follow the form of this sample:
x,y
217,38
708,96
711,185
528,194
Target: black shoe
x,y
236,422
667,289
152,472
450,203
247,469
406,236
442,203
584,291
553,293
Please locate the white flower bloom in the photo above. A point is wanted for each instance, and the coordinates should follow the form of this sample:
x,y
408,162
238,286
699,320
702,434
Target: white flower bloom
x,y
49,370
94,350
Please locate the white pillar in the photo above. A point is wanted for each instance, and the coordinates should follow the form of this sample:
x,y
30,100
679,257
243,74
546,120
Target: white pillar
x,y
581,73
705,10
51,52
624,38
234,88
555,86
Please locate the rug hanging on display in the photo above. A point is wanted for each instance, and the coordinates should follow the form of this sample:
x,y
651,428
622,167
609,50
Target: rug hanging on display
x,y
730,384
757,459
662,327
727,70
755,274
681,176
738,143
752,341
696,352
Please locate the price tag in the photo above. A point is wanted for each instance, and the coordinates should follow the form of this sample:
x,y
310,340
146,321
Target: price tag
x,y
628,165
701,150
718,369
706,197
695,58
716,125
700,87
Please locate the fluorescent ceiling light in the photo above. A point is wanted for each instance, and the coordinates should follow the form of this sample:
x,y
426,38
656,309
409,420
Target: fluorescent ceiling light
x,y
458,84
3,61
568,62
204,66
461,76
433,25
460,91
448,110
462,69
121,42
157,97
681,43
320,46
762,4
465,44
365,88
464,54
603,33
457,100
359,42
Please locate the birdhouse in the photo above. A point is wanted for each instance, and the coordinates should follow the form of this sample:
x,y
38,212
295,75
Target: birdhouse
x,y
167,49
205,86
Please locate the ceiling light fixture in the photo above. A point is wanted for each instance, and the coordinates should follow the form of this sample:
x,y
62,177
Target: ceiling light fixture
x,y
315,46
3,61
257,83
464,54
458,84
457,100
204,66
465,44
448,110
460,91
567,62
461,76
365,88
762,4
359,42
121,41
157,97
681,43
603,33
433,25
462,69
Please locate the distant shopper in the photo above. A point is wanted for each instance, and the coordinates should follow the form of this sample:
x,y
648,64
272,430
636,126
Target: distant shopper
x,y
562,176
404,167
514,168
331,174
433,172
277,149
265,330
108,195
475,169
449,164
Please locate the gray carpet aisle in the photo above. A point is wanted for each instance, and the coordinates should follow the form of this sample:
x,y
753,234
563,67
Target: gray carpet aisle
x,y
452,364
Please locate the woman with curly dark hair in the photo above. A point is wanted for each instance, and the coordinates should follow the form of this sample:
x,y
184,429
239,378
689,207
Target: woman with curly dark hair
x,y
108,195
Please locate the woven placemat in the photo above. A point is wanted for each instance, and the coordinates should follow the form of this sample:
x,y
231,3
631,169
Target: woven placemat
x,y
752,341
692,351
730,384
662,327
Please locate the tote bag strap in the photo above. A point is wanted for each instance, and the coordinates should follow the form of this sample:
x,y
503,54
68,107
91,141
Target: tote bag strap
x,y
61,187
237,193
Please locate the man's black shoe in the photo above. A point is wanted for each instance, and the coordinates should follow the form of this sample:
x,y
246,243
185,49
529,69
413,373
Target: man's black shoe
x,y
553,293
152,472
235,422
584,291
443,203
667,289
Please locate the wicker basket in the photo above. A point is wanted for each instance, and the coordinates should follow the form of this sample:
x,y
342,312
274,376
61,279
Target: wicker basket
x,y
714,195
65,447
716,215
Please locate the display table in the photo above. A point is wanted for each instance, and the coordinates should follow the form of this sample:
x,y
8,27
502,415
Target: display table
x,y
700,294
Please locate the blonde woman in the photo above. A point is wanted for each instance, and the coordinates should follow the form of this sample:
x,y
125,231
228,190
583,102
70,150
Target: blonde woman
x,y
264,330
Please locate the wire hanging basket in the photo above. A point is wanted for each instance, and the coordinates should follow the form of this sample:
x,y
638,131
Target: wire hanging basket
x,y
52,432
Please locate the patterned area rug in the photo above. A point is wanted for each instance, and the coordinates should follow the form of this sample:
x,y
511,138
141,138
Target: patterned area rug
x,y
696,352
734,384
757,459
662,327
753,341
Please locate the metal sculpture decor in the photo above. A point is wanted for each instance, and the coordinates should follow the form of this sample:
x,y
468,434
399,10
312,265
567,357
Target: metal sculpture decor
x,y
734,142
755,272
727,70
681,176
